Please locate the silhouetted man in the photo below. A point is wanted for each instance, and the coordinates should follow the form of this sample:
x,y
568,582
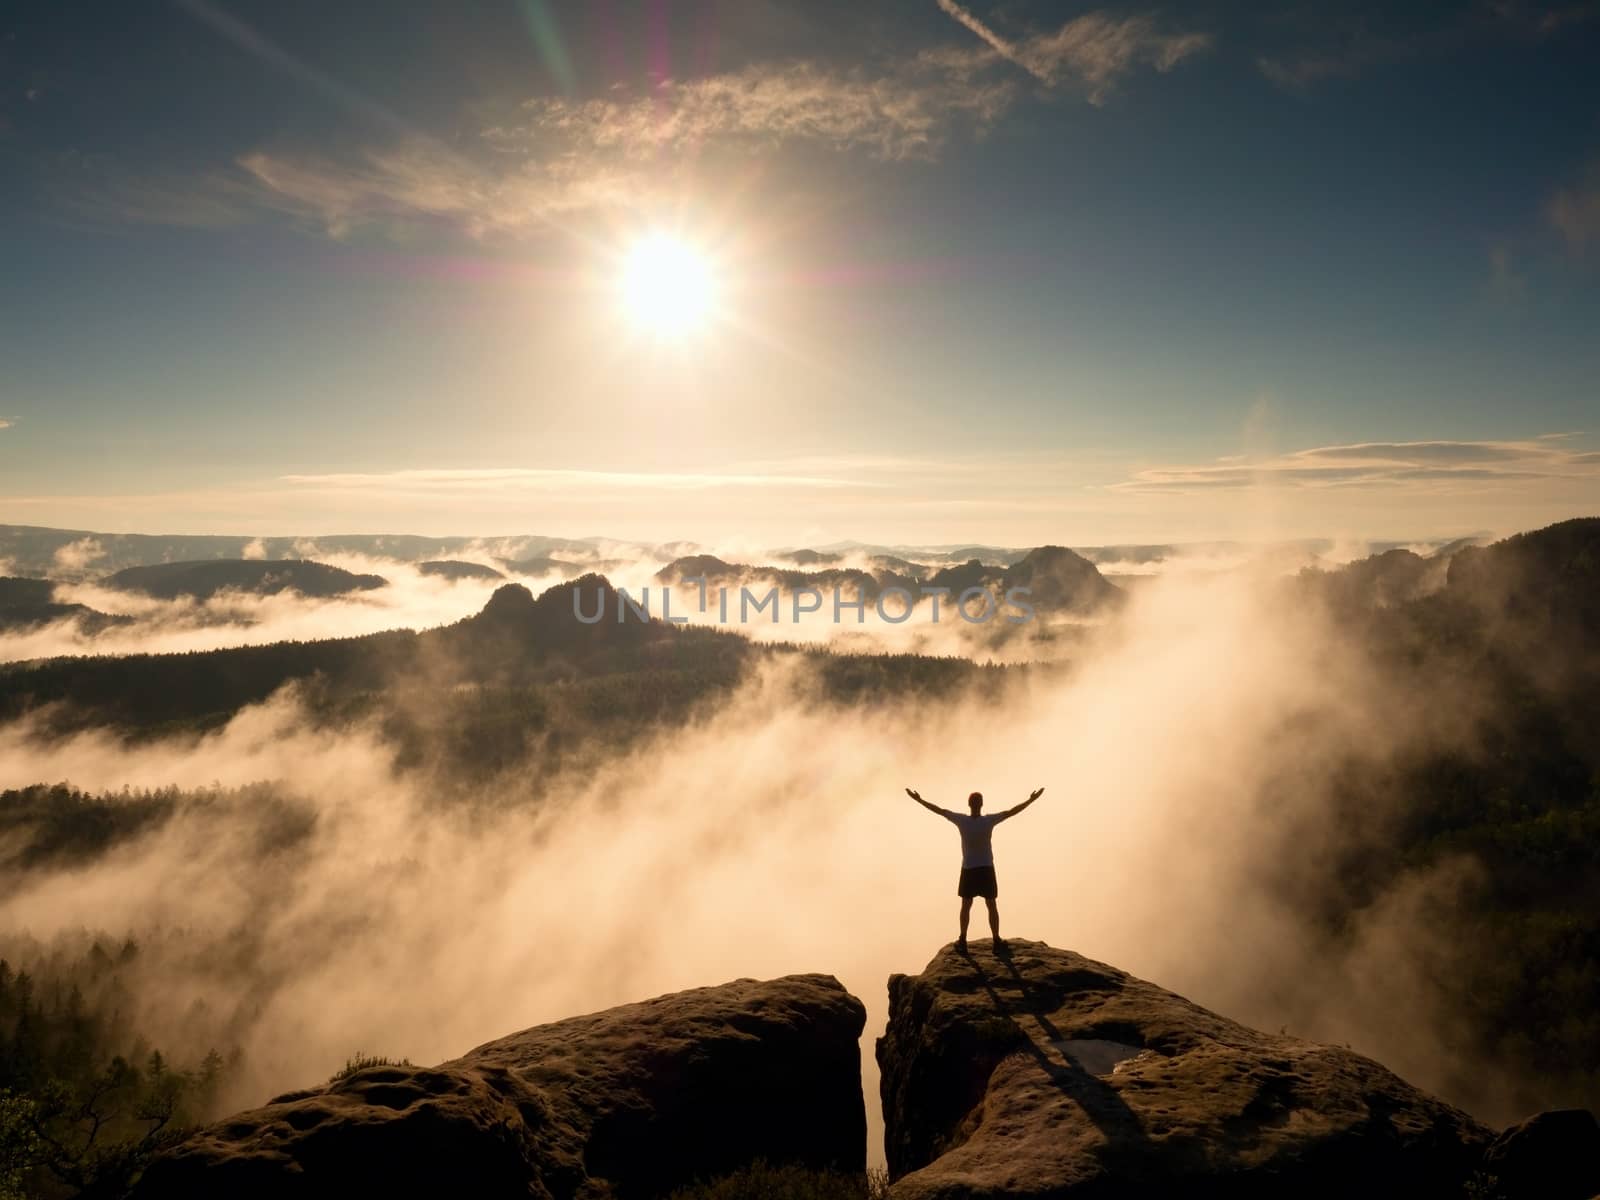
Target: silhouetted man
x,y
977,857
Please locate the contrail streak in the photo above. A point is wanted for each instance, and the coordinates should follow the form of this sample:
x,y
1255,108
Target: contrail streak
x,y
995,42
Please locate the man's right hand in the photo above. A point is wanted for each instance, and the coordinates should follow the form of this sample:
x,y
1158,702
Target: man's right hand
x,y
913,794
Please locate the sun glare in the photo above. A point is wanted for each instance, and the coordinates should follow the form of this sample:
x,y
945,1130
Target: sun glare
x,y
668,286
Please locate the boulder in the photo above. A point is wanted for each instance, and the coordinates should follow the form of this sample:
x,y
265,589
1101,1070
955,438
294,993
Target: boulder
x,y
1041,1073
628,1103
1550,1156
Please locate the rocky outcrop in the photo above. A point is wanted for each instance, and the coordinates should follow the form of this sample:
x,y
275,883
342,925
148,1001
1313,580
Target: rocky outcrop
x,y
628,1103
1045,1074
1056,580
577,617
1053,578
1551,1156
1062,581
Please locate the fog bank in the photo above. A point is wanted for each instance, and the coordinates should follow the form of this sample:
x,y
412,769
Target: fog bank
x,y
1182,753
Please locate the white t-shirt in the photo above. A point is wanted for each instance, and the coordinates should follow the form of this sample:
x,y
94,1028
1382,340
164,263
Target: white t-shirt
x,y
976,848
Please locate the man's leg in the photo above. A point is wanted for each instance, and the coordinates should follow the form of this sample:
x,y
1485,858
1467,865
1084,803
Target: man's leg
x,y
966,913
994,919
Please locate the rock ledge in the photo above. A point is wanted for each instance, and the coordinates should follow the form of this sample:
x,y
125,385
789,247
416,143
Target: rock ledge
x,y
628,1103
1042,1073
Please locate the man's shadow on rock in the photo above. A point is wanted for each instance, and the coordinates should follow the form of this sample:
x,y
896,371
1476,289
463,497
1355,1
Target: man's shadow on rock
x,y
1101,1102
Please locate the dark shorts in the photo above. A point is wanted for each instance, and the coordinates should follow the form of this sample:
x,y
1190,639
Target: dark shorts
x,y
977,881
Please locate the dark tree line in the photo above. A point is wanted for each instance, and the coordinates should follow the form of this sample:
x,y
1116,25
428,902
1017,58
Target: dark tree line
x,y
85,1101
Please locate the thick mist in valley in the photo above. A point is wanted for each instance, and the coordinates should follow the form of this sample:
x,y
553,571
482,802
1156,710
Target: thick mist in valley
x,y
330,898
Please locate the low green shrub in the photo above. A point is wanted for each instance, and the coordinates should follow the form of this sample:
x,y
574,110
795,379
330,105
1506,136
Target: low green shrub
x,y
360,1062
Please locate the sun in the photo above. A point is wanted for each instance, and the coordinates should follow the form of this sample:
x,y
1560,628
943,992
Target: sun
x,y
668,286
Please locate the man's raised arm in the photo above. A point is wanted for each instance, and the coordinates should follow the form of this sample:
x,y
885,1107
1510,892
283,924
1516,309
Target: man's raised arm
x,y
933,808
1011,812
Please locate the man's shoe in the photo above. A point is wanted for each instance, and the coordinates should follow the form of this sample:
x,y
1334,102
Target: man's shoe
x,y
961,945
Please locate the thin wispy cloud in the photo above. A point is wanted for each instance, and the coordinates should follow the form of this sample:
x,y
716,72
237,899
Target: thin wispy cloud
x,y
414,181
1093,51
1574,212
1379,464
1347,49
561,157
906,113
1564,230
896,465
1538,19
557,156
5,424
1344,44
253,42
100,190
559,479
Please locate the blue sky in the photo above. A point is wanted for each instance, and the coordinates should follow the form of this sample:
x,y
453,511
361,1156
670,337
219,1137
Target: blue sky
x,y
1013,272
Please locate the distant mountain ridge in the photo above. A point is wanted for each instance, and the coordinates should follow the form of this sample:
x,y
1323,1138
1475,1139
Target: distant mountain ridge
x,y
43,551
516,638
1057,579
33,550
454,569
30,603
261,577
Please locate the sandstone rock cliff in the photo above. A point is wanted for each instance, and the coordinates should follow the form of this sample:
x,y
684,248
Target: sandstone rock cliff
x,y
1045,1074
625,1103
